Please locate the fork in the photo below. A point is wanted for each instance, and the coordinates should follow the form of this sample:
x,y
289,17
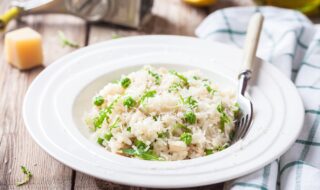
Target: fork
x,y
250,48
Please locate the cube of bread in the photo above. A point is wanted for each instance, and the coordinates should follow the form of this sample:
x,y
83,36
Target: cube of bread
x,y
23,48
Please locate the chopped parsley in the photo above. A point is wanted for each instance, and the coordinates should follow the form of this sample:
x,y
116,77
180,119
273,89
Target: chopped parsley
x,y
196,77
149,155
98,100
141,151
156,77
190,117
174,87
208,151
114,124
236,112
104,114
145,155
222,147
148,94
110,107
27,177
216,149
181,77
220,108
209,89
129,151
129,102
108,136
129,129
164,134
139,144
183,127
190,102
125,82
155,118
100,141
224,119
186,138
98,120
65,41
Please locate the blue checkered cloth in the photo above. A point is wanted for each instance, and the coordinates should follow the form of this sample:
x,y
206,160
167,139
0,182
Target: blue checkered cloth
x,y
290,42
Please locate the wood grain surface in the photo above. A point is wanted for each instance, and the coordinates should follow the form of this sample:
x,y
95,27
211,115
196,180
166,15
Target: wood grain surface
x,y
16,145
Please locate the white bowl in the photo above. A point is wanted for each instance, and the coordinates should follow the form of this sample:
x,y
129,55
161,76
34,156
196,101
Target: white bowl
x,y
58,97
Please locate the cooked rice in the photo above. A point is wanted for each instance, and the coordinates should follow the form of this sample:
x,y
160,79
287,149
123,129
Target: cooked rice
x,y
157,114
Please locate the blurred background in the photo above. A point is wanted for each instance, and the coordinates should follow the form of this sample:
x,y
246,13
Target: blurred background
x,y
89,21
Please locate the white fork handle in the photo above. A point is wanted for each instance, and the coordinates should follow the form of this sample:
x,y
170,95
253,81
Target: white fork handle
x,y
252,40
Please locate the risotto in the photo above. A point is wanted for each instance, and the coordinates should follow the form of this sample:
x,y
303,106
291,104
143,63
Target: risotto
x,y
161,114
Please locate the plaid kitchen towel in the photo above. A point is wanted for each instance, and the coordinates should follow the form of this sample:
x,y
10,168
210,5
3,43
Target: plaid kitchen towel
x,y
290,42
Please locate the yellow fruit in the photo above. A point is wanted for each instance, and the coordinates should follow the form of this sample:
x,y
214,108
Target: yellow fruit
x,y
201,3
310,7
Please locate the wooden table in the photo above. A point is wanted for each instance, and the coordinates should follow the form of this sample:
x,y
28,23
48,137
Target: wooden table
x,y
16,145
